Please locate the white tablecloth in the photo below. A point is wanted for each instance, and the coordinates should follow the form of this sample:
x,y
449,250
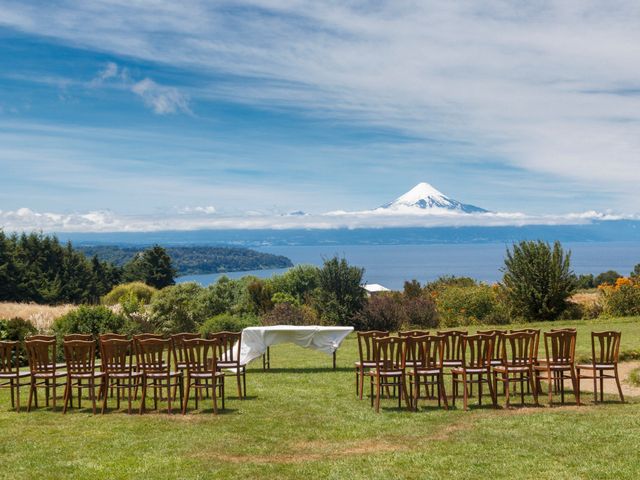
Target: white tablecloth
x,y
255,340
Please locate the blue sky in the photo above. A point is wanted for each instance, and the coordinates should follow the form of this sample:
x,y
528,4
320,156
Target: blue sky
x,y
264,107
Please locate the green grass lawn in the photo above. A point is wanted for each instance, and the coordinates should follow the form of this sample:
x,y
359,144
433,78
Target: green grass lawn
x,y
302,419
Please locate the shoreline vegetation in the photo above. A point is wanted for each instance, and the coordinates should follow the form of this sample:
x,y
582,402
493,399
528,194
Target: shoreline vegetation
x,y
196,259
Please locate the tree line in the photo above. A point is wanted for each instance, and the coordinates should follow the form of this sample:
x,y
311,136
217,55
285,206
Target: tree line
x,y
38,268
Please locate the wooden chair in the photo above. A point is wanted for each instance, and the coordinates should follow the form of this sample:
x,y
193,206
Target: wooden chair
x,y
452,347
80,356
10,374
413,333
536,349
426,353
40,337
87,337
45,373
119,372
136,351
228,356
156,372
517,364
559,365
604,358
179,354
365,353
389,354
202,370
477,351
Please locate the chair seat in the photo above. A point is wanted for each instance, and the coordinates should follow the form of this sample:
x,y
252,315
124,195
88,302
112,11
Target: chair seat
x,y
205,374
510,369
162,374
228,364
57,374
470,370
452,363
558,368
86,375
125,374
598,366
422,371
365,364
495,362
14,375
386,373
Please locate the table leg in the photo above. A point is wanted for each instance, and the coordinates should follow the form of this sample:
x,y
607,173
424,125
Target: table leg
x,y
334,359
266,360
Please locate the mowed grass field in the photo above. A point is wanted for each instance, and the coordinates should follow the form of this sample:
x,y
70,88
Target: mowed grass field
x,y
302,419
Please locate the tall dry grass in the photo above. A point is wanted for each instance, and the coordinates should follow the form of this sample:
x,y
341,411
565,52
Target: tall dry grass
x,y
41,316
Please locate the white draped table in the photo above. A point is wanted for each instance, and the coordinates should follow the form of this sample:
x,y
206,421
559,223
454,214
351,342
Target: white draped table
x,y
257,340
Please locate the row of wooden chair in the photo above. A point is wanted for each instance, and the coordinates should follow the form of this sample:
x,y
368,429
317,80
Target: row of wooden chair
x,y
146,362
418,359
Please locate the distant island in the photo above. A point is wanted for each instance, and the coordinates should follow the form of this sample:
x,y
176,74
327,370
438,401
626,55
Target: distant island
x,y
195,260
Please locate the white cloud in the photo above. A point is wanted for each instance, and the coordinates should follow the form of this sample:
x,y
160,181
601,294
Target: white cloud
x,y
161,99
195,218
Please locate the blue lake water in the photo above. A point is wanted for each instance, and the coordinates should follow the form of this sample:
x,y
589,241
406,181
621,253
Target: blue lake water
x,y
391,265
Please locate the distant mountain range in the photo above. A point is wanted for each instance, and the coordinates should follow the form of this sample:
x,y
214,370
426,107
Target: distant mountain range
x,y
426,197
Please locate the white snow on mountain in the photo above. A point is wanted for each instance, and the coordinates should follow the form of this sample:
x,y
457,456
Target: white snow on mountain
x,y
426,197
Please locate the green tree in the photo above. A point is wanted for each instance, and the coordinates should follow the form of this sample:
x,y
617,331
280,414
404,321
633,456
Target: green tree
x,y
609,277
538,279
153,267
412,289
339,296
636,271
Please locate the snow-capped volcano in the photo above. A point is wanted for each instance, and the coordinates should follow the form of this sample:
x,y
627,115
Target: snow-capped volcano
x,y
425,197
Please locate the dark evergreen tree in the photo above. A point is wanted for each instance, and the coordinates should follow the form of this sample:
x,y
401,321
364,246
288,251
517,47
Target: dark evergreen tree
x,y
153,267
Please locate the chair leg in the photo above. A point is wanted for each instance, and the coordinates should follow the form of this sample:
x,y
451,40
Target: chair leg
x,y
66,396
465,392
361,382
615,373
377,394
602,386
18,395
442,392
492,391
185,400
215,396
534,388
31,388
550,386
104,398
507,389
13,402
169,395
144,396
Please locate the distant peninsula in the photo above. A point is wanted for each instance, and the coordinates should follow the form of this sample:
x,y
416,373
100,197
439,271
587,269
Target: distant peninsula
x,y
195,260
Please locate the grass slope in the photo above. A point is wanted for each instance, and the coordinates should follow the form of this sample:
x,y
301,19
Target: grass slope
x,y
302,420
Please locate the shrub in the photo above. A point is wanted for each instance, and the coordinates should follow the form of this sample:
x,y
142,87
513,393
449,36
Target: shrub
x,y
449,281
281,297
88,319
224,296
175,309
141,291
470,305
290,314
621,299
420,311
299,282
538,280
608,277
16,330
226,322
381,312
259,293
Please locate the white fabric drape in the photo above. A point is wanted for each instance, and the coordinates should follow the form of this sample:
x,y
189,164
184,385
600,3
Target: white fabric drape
x,y
255,340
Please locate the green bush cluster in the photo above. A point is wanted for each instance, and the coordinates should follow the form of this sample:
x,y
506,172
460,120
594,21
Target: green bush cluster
x,y
622,299
89,319
474,305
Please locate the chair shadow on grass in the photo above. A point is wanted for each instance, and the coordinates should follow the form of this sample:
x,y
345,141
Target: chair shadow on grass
x,y
302,370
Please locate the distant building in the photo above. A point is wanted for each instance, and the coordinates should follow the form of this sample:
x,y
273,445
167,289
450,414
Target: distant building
x,y
375,288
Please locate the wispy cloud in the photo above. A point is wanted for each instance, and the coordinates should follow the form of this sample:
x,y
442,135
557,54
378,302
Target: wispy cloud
x,y
161,99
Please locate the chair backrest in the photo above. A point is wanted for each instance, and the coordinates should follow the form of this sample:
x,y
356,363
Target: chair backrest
x,y
477,350
536,340
389,353
517,349
112,336
365,343
608,347
178,345
427,351
226,343
9,357
117,355
80,356
143,336
201,354
41,337
151,355
78,336
497,346
564,329
413,333
41,355
560,347
453,344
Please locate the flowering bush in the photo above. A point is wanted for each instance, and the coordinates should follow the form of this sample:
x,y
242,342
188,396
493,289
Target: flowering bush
x,y
622,298
470,305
